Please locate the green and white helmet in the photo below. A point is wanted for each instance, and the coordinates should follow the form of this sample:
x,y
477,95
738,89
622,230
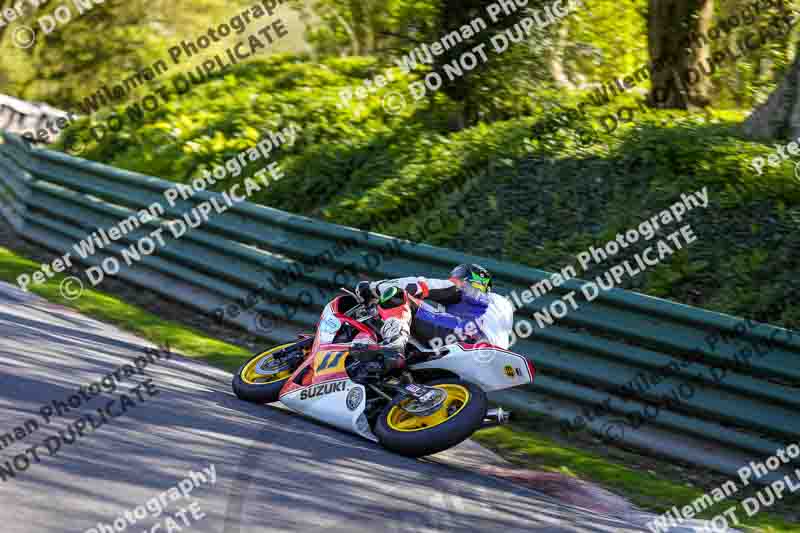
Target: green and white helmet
x,y
473,275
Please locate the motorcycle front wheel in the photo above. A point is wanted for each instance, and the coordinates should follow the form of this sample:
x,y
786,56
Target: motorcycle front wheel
x,y
460,415
262,377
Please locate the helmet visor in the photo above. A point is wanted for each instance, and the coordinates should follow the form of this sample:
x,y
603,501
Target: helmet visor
x,y
479,282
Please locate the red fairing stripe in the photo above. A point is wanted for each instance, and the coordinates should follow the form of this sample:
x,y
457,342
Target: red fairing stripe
x,y
304,387
311,378
403,312
531,368
480,345
425,290
355,323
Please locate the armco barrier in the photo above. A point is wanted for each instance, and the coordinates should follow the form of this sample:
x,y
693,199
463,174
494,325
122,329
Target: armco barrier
x,y
21,117
270,272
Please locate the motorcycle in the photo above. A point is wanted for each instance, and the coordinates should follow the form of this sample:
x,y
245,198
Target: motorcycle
x,y
437,401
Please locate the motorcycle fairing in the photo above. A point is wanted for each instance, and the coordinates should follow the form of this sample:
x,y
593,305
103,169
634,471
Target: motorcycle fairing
x,y
486,365
333,402
327,364
320,388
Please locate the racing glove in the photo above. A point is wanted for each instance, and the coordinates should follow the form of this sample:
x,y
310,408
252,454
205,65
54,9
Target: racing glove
x,y
365,292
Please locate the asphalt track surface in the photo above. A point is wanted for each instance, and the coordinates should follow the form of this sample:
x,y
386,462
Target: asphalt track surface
x,y
275,471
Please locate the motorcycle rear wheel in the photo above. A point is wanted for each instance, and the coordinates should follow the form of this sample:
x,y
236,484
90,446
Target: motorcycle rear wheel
x,y
456,420
261,378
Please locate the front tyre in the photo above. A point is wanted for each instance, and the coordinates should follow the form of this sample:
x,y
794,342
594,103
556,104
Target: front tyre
x,y
460,415
261,379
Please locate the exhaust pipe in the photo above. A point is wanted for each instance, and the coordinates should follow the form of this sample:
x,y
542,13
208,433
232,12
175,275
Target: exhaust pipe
x,y
496,417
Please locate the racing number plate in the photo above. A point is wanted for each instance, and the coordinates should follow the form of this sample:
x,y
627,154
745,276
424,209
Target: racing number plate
x,y
330,362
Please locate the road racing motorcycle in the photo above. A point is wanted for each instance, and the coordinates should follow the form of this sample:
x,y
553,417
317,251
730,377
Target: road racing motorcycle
x,y
437,401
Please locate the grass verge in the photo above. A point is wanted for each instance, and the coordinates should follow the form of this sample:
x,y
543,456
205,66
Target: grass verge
x,y
109,309
646,490
515,443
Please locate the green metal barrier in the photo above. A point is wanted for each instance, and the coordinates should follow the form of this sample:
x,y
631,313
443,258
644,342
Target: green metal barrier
x,y
702,387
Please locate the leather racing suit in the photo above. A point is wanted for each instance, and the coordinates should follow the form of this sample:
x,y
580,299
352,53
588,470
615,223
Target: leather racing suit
x,y
459,313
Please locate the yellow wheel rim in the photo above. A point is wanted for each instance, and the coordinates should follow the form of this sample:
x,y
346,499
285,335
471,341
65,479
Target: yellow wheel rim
x,y
254,375
457,398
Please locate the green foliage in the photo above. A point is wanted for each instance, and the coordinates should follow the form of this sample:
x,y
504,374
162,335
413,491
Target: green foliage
x,y
101,306
108,43
606,39
360,27
535,195
524,445
216,120
599,42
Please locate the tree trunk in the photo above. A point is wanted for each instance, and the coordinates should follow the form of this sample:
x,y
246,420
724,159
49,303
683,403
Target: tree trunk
x,y
453,15
355,48
671,24
779,116
557,58
361,28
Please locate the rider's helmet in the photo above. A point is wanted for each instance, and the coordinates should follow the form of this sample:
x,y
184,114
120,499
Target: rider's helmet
x,y
473,275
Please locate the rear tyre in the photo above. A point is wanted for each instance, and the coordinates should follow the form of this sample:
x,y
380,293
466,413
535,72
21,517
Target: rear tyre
x,y
261,378
414,436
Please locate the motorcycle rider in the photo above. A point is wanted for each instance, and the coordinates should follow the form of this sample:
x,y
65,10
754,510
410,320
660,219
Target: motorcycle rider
x,y
468,309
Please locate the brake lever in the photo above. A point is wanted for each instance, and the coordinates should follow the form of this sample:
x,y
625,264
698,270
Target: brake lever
x,y
354,295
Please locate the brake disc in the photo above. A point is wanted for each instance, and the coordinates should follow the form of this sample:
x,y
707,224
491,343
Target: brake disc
x,y
273,364
424,408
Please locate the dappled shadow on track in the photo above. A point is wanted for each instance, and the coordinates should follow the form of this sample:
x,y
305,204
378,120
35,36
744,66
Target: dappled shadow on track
x,y
384,484
277,471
